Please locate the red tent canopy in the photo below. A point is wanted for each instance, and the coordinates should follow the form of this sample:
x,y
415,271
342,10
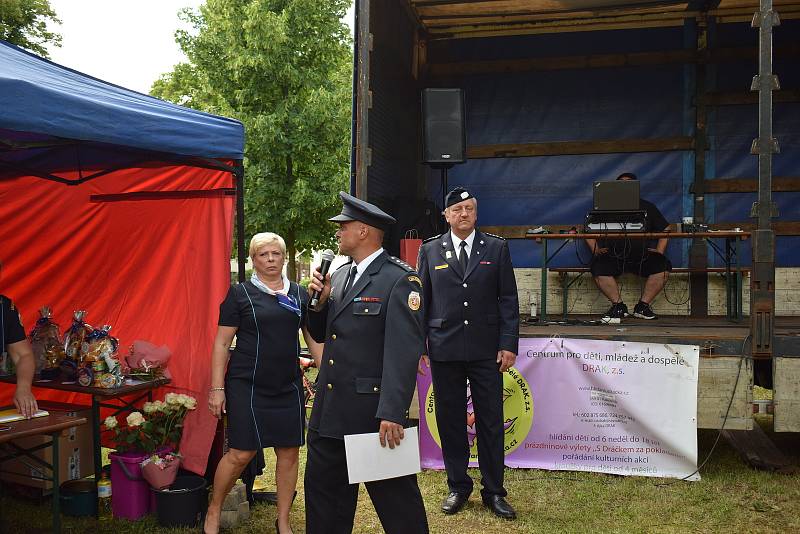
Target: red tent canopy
x,y
122,205
154,266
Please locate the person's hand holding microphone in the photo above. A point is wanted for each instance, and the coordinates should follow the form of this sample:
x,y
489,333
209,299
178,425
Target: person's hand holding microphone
x,y
320,286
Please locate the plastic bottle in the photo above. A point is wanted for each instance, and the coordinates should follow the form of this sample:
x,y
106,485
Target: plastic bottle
x,y
104,499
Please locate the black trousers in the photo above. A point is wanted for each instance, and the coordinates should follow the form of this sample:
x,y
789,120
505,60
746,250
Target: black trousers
x,y
331,500
486,385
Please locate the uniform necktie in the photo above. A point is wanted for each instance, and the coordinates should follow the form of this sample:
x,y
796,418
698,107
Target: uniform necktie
x,y
462,257
351,277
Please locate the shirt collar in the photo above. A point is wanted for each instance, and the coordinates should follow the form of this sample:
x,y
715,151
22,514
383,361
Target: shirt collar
x,y
263,287
457,241
361,267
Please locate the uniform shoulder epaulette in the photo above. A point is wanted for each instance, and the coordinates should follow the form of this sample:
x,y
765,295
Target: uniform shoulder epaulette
x,y
432,238
397,261
501,238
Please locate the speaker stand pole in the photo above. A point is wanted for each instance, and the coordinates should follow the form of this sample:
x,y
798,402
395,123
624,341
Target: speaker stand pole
x,y
444,186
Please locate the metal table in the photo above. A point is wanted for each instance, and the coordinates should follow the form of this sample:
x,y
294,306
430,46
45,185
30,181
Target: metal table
x,y
730,255
102,398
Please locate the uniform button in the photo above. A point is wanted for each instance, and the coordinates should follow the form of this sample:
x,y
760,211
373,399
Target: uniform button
x,y
376,389
366,310
466,322
333,337
466,303
330,386
330,362
465,285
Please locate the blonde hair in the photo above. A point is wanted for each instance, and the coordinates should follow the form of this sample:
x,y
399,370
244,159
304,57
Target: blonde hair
x,y
266,238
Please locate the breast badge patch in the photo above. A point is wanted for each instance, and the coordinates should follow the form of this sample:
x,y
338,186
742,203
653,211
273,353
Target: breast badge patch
x,y
414,300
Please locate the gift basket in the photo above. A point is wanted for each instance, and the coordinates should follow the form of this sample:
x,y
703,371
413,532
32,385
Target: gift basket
x,y
47,345
98,356
76,335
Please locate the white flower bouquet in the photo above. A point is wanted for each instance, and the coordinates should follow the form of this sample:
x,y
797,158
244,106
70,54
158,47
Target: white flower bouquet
x,y
160,426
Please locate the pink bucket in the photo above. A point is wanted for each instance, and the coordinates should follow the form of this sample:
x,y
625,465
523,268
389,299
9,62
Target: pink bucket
x,y
130,497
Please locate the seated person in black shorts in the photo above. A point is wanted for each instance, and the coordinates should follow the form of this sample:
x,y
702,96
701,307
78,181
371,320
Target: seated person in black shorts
x,y
612,257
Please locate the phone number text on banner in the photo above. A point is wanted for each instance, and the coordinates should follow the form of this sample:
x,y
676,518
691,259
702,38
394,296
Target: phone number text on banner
x,y
586,405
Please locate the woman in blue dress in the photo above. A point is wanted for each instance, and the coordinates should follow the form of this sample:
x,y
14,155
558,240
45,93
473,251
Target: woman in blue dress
x,y
258,385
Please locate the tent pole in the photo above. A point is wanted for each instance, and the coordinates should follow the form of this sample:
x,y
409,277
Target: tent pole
x,y
241,255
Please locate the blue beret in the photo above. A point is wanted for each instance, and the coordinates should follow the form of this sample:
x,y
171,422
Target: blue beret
x,y
459,194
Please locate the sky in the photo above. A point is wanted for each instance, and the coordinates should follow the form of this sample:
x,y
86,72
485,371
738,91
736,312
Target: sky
x,y
123,42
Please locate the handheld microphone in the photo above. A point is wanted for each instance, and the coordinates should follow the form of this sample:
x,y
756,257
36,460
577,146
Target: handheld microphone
x,y
327,259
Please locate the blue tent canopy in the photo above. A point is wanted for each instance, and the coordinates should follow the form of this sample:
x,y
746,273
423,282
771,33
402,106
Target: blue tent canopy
x,y
40,97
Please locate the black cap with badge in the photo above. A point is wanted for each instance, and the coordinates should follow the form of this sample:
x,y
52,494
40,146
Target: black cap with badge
x,y
355,209
459,194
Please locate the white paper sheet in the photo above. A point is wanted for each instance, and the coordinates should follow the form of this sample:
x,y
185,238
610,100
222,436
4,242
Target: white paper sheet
x,y
367,460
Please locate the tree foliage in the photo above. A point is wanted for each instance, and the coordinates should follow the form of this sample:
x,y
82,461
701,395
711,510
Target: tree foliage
x,y
282,67
24,23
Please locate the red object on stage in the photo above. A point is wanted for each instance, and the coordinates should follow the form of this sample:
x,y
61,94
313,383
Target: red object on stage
x,y
409,248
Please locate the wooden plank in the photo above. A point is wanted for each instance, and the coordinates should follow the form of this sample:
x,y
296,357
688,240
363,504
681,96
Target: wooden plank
x,y
485,7
560,148
462,19
750,185
509,13
785,228
715,386
606,60
556,21
455,25
781,228
562,63
558,27
749,97
786,394
675,270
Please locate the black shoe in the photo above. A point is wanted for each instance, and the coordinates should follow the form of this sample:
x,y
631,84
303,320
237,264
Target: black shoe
x,y
617,311
499,505
454,502
642,310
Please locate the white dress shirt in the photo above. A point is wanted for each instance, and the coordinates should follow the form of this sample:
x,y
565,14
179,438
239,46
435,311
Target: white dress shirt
x,y
361,267
457,243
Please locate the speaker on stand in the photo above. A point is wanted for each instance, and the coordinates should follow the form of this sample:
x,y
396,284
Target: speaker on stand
x,y
444,139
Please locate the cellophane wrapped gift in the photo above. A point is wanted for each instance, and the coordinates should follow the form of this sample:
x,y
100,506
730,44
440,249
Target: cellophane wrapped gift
x,y
76,335
148,362
99,352
161,471
46,342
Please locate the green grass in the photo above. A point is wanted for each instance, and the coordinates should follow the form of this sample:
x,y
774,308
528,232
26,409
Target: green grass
x,y
730,498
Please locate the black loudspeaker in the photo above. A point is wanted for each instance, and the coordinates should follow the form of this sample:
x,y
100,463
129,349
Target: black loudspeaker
x,y
444,133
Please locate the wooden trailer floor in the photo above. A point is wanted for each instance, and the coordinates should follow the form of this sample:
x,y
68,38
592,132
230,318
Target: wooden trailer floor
x,y
715,335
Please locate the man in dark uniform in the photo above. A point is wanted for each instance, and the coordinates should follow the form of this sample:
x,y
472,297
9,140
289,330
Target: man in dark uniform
x,y
370,319
472,320
612,257
14,342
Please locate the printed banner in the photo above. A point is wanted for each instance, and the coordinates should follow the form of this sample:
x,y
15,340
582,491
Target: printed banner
x,y
586,405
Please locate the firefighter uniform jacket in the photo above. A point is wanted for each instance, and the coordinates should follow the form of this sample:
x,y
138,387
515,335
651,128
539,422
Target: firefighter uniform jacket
x,y
373,339
469,315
